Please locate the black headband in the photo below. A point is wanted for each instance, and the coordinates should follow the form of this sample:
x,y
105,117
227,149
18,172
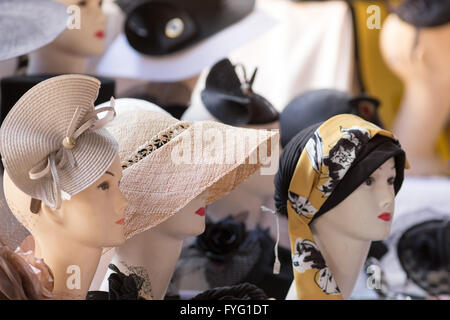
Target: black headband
x,y
372,155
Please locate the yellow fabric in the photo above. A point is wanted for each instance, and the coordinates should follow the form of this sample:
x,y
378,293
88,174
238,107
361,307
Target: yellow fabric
x,y
310,187
378,80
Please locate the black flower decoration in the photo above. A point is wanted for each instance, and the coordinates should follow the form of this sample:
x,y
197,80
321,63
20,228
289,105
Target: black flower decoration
x,y
222,239
123,287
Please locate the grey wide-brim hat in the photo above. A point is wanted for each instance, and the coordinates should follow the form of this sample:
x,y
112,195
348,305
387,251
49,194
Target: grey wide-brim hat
x,y
27,25
52,141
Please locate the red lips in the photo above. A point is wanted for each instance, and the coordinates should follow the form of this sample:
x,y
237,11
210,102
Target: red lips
x,y
100,34
201,212
121,221
385,216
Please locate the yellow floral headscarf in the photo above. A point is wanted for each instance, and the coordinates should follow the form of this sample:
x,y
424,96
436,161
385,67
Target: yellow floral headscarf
x,y
327,153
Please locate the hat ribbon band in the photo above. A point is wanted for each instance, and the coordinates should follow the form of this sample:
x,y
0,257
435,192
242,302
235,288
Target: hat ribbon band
x,y
94,123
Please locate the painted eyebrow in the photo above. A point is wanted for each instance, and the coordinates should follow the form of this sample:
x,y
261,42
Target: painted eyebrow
x,y
391,168
110,173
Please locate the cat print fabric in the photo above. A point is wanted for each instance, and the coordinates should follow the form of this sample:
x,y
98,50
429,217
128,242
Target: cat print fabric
x,y
307,256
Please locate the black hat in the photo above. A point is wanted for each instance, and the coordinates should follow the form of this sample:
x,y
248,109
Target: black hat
x,y
14,87
319,105
160,27
233,102
422,13
424,253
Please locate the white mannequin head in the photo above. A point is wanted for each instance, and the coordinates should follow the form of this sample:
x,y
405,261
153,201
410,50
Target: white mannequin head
x,y
92,218
420,58
89,40
366,214
189,221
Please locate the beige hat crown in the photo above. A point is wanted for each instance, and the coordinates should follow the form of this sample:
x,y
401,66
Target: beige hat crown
x,y
52,140
156,187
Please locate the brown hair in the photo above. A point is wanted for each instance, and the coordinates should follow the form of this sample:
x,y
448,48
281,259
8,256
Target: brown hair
x,y
17,279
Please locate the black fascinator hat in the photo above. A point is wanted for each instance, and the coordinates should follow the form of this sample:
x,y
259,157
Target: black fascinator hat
x,y
233,102
424,253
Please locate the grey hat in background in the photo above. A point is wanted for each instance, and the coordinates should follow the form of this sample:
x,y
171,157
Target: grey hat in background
x,y
52,141
27,25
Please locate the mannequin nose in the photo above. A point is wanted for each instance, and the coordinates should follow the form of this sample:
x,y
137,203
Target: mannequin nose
x,y
386,196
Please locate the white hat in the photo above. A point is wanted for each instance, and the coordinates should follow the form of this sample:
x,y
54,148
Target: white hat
x,y
121,60
27,25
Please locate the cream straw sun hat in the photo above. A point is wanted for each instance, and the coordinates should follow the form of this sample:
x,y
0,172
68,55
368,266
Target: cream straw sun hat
x,y
52,141
167,163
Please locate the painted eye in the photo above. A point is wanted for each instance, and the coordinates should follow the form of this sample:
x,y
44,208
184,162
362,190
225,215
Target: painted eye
x,y
369,181
104,186
82,3
391,180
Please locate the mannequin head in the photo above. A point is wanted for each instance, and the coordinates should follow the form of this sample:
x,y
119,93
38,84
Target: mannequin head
x,y
189,221
89,40
366,214
93,217
69,52
417,54
64,189
336,182
167,199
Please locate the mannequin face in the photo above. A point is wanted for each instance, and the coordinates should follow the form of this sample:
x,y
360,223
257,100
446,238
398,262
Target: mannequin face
x,y
90,39
366,214
96,215
189,221
93,217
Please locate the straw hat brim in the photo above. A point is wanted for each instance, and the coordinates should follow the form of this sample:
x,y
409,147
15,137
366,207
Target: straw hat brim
x,y
157,188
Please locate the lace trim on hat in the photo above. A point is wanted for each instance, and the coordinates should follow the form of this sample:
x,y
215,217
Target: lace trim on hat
x,y
155,143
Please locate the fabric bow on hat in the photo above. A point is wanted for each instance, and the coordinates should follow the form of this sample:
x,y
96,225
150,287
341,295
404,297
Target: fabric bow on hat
x,y
232,102
52,141
58,159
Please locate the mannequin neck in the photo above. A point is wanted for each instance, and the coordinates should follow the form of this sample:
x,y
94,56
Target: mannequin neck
x,y
51,60
63,257
344,255
423,91
154,251
423,115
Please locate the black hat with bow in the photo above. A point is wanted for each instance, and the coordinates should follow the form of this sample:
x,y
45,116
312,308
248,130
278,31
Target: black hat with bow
x,y
233,101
